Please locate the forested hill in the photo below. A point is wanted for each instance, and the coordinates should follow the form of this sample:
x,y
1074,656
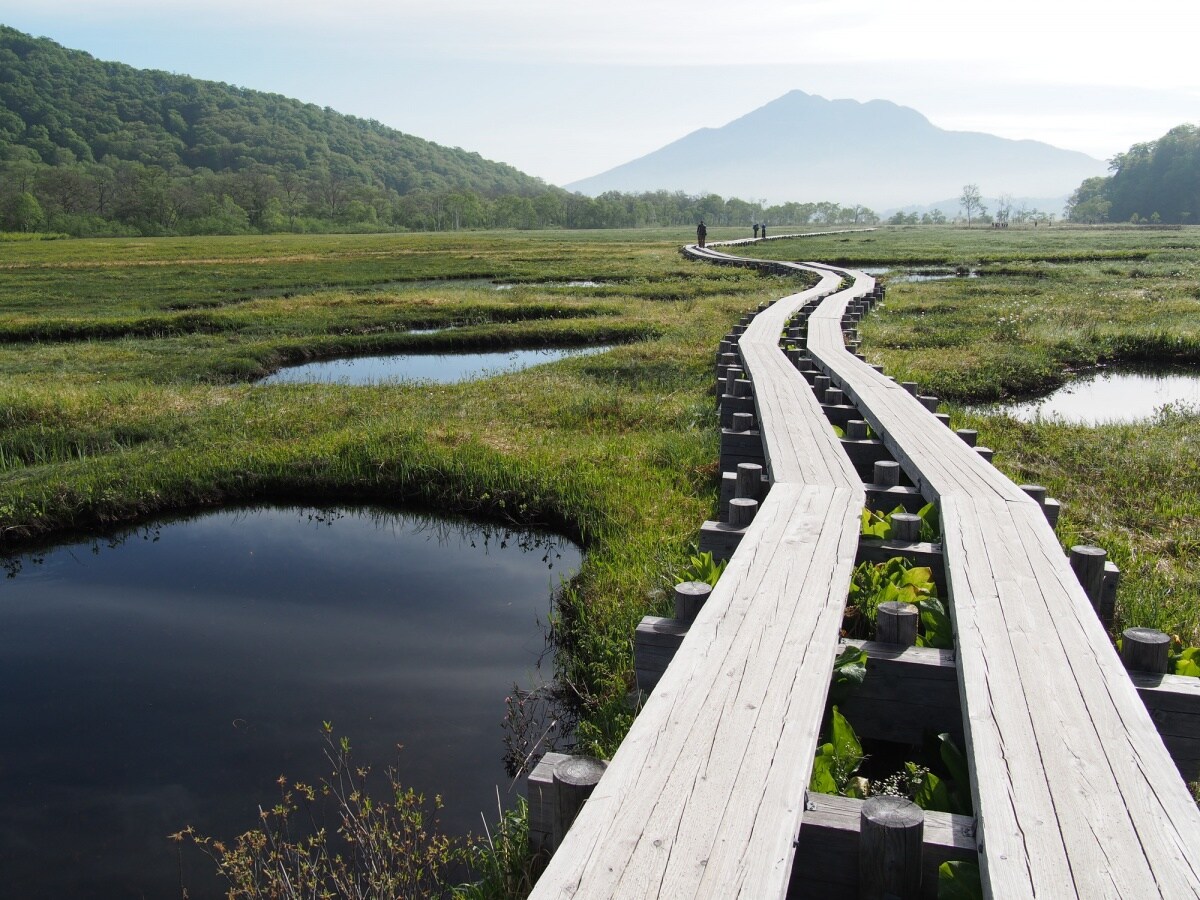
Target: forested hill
x,y
1158,181
95,120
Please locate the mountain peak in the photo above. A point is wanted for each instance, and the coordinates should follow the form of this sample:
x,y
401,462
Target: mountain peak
x,y
804,147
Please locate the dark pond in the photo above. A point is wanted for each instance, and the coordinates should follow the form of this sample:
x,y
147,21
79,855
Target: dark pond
x,y
1108,396
169,676
441,368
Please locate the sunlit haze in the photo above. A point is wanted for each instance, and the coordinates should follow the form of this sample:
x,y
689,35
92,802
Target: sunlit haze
x,y
564,90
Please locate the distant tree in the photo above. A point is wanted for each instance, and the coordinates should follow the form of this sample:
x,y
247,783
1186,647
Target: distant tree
x,y
1089,203
933,217
971,201
23,213
1004,208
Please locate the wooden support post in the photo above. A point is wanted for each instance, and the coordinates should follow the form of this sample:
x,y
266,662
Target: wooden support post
x,y
906,527
574,780
969,435
743,421
749,481
1108,593
944,418
689,598
910,386
1144,649
741,511
929,402
896,623
821,385
1088,564
887,473
1035,492
834,397
732,374
889,849
986,452
856,430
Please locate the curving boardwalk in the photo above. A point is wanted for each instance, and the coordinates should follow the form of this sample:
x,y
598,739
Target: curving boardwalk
x,y
1075,794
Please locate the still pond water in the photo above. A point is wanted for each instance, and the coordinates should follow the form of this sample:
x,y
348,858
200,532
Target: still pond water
x,y
1108,397
169,676
440,368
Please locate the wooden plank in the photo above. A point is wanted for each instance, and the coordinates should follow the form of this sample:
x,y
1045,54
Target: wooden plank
x,y
1058,739
705,795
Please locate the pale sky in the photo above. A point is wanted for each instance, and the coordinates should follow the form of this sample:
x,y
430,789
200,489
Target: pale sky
x,y
563,89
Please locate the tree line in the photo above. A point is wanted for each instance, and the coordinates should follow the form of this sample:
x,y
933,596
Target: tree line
x,y
123,197
1157,181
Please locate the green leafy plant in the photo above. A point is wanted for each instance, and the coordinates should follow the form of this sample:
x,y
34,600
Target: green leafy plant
x,y
1183,660
702,567
896,579
878,524
849,671
959,880
836,764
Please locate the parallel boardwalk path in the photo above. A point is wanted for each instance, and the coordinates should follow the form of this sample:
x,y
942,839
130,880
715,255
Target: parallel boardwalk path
x,y
1075,794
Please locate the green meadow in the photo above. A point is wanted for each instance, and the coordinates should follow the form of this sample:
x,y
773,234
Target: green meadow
x,y
127,367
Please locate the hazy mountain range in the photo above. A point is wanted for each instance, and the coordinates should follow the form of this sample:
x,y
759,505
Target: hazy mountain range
x,y
806,148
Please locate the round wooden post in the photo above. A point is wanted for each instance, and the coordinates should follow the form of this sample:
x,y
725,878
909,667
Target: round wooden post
x,y
929,402
732,374
969,435
821,385
1144,649
1088,564
906,527
887,473
856,430
986,453
743,387
689,598
834,397
743,421
896,623
749,480
891,831
910,386
574,780
741,511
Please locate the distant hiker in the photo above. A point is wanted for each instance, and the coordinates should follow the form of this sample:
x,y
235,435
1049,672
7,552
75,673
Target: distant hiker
x,y
701,233
764,230
756,231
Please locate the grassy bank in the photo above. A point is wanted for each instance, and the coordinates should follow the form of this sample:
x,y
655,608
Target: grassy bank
x,y
1042,303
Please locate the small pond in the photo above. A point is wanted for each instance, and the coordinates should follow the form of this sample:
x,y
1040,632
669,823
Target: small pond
x,y
440,368
1108,396
895,276
168,676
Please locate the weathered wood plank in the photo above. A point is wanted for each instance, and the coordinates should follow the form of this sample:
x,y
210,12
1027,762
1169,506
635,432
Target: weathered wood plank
x,y
705,795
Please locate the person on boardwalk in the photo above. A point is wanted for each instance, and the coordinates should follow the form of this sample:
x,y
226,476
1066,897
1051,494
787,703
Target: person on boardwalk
x,y
756,231
764,230
701,233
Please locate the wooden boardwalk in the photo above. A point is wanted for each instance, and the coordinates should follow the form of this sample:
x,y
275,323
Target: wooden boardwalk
x,y
1075,793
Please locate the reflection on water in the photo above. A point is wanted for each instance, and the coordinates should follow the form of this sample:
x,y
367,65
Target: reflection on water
x,y
440,368
1108,397
168,677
